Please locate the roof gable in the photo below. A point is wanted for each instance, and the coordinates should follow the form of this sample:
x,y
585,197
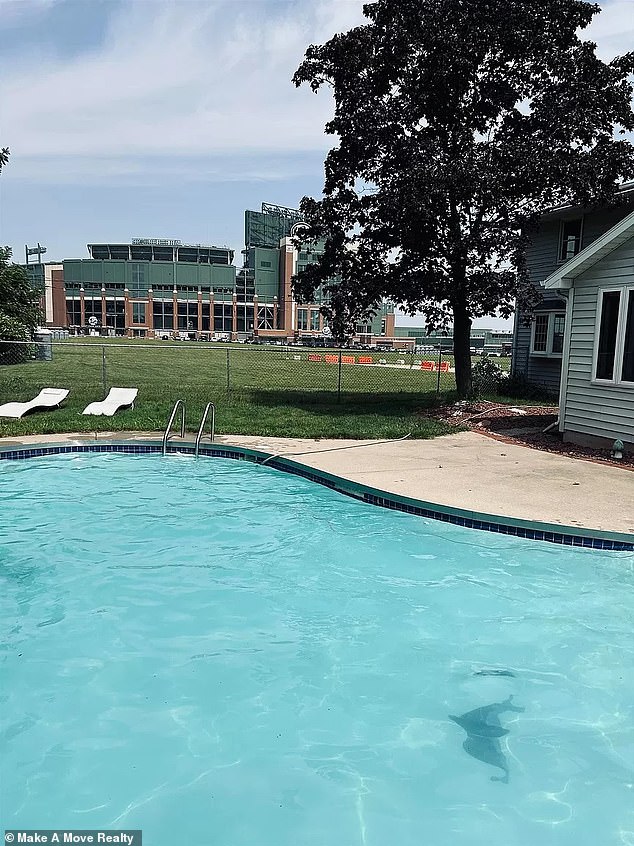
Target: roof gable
x,y
565,275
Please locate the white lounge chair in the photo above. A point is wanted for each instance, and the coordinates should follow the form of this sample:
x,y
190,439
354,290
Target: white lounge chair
x,y
117,398
47,398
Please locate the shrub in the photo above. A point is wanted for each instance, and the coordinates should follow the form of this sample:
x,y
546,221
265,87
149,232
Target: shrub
x,y
516,385
486,376
12,329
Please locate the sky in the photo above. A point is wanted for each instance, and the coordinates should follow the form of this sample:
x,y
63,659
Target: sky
x,y
168,118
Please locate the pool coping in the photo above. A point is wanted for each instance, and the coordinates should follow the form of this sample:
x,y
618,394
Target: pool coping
x,y
514,526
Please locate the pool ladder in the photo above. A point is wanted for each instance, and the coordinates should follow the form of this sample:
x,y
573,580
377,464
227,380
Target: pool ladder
x,y
201,428
180,404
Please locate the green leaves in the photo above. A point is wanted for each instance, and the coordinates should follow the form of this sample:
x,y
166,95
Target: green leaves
x,y
459,122
19,301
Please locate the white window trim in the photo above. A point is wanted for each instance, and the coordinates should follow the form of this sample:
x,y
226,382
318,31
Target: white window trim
x,y
625,291
548,352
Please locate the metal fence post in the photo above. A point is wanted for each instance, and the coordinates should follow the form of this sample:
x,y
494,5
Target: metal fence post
x,y
438,371
339,379
228,370
103,368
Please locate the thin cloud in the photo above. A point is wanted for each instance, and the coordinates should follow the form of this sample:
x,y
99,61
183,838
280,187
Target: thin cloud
x,y
174,83
212,80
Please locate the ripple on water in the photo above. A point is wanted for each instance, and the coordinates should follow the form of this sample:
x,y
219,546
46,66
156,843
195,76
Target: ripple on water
x,y
216,652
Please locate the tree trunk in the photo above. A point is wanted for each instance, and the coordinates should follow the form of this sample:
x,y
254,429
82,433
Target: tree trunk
x,y
462,350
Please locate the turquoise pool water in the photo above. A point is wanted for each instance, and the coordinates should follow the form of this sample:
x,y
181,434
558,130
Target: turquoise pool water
x,y
218,653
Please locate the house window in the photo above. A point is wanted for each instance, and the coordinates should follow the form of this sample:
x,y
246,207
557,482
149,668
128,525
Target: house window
x,y
302,319
314,321
138,312
627,369
548,334
614,351
559,324
570,239
540,333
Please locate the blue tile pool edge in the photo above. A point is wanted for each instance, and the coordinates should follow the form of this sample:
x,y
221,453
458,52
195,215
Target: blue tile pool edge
x,y
548,532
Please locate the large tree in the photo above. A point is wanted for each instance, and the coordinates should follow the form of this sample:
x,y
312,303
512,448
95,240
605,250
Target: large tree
x,y
458,122
19,301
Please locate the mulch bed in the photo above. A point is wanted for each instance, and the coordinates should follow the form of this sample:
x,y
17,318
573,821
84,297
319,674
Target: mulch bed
x,y
522,425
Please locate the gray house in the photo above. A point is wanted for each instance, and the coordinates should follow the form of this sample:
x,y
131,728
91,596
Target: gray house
x,y
596,400
563,233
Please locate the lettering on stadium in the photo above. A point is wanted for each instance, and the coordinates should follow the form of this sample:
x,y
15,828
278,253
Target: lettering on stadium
x,y
155,242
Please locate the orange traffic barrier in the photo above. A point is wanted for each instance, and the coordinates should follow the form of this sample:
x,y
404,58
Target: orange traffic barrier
x,y
314,357
332,359
444,367
348,359
428,365
366,359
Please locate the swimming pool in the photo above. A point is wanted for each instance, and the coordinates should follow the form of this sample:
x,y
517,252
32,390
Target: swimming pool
x,y
215,652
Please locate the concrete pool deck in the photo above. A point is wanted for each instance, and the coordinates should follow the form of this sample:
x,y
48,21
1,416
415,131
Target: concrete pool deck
x,y
466,470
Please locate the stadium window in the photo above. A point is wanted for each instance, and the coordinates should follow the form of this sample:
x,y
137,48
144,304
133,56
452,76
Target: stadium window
x,y
188,315
302,319
205,317
73,311
138,312
138,275
163,314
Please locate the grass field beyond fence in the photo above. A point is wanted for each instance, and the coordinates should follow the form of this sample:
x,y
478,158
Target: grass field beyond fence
x,y
259,390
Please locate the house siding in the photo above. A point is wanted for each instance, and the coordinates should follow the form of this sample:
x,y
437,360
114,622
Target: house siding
x,y
601,411
542,257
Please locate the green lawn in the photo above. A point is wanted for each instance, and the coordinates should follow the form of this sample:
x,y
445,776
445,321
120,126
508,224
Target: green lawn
x,y
257,390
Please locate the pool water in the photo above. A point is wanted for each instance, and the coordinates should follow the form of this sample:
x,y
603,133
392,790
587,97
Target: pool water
x,y
219,653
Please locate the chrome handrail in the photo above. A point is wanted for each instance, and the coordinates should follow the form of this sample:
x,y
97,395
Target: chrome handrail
x,y
199,436
166,436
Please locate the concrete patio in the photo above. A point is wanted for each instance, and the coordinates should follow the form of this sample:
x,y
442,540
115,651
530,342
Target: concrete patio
x,y
465,470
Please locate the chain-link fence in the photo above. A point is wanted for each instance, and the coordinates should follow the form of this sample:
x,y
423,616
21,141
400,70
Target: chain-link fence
x,y
178,367
265,376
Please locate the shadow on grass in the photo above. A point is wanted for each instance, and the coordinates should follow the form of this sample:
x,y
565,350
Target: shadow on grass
x,y
386,404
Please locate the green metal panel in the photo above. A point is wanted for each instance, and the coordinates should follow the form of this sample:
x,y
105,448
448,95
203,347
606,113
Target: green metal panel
x,y
137,275
266,267
186,274
205,275
72,272
161,273
265,228
223,276
93,271
113,271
